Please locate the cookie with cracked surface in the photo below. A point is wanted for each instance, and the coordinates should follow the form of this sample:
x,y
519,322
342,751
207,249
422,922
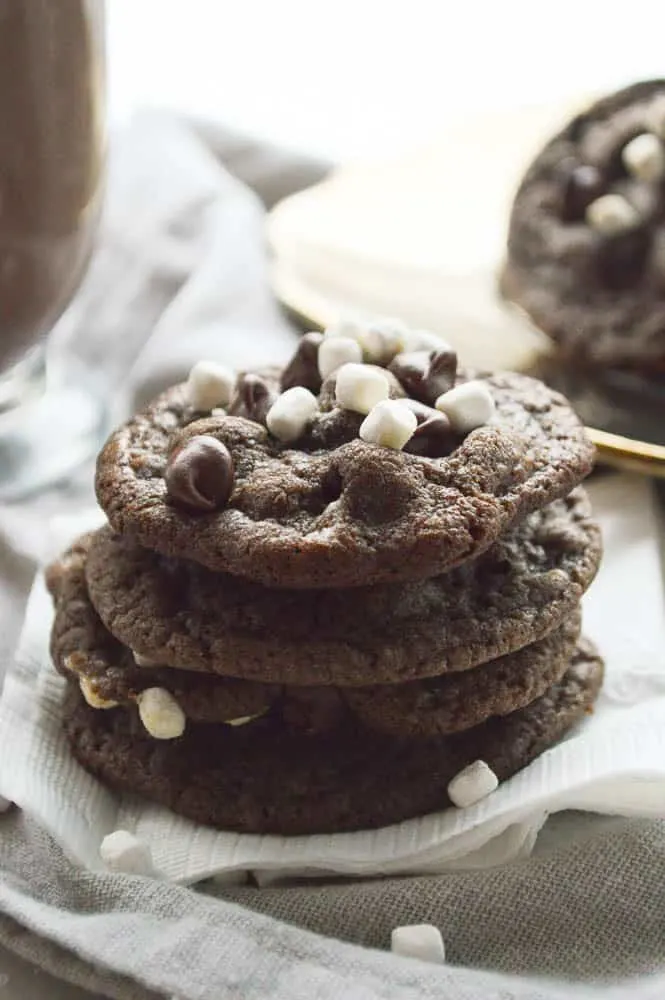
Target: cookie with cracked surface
x,y
108,676
107,671
324,508
261,779
179,613
454,702
586,240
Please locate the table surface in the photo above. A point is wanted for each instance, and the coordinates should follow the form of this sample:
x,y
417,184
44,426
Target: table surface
x,y
355,79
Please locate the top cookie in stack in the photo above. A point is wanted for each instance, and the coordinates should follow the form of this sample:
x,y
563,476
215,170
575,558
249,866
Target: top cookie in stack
x,y
333,596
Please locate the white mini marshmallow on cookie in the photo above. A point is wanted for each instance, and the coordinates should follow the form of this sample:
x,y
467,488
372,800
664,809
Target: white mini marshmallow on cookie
x,y
161,714
92,697
389,423
337,351
644,157
210,385
360,388
655,116
612,213
349,327
383,339
425,340
473,783
423,941
143,661
121,851
242,720
467,406
289,415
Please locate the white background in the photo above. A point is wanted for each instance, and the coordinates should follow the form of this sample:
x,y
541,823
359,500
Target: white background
x,y
346,77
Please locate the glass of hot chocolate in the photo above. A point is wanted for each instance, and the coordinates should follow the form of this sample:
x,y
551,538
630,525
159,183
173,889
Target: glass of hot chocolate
x,y
52,145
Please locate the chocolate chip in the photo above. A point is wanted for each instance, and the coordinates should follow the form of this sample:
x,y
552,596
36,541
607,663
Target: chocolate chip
x,y
199,475
252,399
303,368
424,375
582,184
433,437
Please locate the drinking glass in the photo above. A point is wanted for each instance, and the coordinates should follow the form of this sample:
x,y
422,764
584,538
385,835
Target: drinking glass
x,y
52,145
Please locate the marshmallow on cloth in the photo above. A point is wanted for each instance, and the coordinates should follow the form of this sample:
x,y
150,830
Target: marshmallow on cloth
x,y
210,385
421,941
360,388
289,415
121,851
390,423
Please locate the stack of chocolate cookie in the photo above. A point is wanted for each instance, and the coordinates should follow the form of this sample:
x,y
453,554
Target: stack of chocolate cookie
x,y
331,597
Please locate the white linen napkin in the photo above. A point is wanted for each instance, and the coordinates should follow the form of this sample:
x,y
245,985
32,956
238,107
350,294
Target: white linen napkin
x,y
614,762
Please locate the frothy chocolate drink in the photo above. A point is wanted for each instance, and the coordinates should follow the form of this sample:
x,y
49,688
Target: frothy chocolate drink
x,y
51,150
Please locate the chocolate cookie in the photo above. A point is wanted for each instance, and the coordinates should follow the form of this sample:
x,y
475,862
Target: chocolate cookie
x,y
309,503
454,702
261,779
182,615
82,647
586,242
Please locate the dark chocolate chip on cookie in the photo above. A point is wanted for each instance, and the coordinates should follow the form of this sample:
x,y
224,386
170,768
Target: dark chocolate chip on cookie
x,y
353,486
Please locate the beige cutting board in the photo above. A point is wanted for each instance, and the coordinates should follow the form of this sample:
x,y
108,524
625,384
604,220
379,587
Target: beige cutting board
x,y
418,236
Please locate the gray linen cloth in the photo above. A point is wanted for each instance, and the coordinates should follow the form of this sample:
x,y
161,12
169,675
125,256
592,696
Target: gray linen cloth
x,y
180,273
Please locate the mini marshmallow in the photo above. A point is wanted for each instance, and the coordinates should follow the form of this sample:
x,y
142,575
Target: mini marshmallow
x,y
121,851
210,385
143,661
425,340
472,784
93,699
161,714
655,117
242,720
5,804
337,351
383,339
390,424
467,406
360,388
644,157
348,327
289,415
611,213
421,941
